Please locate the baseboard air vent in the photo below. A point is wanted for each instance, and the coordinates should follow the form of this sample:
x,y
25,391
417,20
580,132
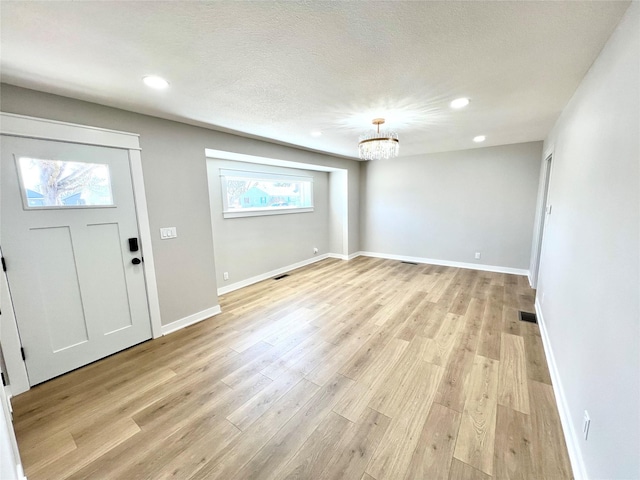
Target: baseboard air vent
x,y
528,317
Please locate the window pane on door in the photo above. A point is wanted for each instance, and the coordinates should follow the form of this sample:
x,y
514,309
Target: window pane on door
x,y
60,184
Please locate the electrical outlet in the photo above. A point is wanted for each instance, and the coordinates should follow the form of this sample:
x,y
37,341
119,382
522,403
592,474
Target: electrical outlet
x,y
225,275
477,255
315,251
586,423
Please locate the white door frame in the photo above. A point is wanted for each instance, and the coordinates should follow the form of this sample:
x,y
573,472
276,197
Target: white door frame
x,y
10,339
43,129
542,214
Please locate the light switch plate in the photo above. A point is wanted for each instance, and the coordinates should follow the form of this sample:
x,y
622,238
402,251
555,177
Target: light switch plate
x,y
168,232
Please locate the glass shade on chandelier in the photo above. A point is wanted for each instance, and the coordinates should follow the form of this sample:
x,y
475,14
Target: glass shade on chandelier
x,y
378,145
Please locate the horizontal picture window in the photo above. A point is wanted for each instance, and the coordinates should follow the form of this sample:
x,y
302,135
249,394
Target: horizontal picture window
x,y
246,194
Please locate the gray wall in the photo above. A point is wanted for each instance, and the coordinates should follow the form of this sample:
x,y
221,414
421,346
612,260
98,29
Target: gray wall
x,y
589,281
173,158
447,206
250,246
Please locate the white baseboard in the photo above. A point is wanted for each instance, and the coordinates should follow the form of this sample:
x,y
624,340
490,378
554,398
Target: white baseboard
x,y
19,472
341,256
272,273
190,320
446,263
288,268
404,258
570,437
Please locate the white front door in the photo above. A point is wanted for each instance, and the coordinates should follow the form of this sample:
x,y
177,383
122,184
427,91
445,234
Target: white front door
x,y
78,290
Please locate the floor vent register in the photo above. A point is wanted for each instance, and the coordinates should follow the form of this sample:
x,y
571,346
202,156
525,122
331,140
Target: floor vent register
x,y
528,317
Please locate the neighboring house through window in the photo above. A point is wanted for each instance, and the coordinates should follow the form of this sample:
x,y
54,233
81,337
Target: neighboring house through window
x,y
261,193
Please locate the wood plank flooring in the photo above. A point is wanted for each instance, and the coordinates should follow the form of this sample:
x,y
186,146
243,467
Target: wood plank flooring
x,y
367,369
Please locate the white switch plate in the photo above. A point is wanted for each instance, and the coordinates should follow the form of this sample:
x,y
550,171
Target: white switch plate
x,y
168,232
477,255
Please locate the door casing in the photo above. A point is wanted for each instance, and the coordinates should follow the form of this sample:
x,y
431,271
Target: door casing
x,y
44,129
542,217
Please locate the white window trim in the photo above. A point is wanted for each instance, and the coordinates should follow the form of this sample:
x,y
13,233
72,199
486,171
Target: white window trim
x,y
256,212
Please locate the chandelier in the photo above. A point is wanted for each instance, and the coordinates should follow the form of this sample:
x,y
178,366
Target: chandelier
x,y
378,145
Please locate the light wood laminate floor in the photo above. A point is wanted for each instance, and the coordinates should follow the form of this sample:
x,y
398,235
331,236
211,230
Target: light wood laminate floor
x,y
366,369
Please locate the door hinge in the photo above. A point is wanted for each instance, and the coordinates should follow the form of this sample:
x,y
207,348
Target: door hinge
x,y
4,382
4,265
24,357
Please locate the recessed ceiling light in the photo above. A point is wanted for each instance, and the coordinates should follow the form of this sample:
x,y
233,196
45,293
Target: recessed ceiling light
x,y
460,103
479,138
316,133
154,81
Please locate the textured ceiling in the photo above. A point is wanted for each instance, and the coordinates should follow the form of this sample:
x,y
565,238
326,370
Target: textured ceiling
x,y
279,70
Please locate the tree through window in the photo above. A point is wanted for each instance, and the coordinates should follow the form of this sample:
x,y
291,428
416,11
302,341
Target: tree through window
x,y
57,183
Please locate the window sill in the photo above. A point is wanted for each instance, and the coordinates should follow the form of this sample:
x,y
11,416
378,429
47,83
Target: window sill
x,y
259,212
